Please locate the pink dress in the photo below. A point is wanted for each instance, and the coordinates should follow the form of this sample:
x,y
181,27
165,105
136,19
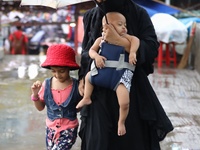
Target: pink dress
x,y
59,97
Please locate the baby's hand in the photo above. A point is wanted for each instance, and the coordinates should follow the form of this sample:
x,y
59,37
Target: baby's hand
x,y
100,61
132,58
36,87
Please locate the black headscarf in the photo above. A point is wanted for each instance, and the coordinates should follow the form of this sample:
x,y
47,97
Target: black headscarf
x,y
111,5
114,5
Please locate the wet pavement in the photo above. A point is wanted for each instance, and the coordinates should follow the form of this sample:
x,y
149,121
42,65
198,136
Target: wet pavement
x,y
22,127
179,94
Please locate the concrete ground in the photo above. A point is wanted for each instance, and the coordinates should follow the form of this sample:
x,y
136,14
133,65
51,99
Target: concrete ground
x,y
179,93
22,127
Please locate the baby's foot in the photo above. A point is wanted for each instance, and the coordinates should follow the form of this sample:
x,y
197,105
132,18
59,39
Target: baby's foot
x,y
121,129
83,102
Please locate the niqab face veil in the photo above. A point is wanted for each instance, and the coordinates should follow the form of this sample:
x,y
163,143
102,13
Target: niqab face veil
x,y
114,5
111,5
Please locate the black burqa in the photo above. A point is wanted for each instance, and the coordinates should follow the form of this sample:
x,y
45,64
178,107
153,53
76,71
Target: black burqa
x,y
147,123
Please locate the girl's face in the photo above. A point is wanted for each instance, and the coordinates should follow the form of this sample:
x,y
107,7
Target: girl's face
x,y
60,73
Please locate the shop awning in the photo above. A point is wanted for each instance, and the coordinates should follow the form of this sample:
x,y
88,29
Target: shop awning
x,y
153,7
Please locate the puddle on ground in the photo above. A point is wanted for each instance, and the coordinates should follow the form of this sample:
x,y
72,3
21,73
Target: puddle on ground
x,y
22,127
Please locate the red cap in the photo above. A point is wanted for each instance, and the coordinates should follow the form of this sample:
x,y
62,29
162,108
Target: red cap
x,y
60,55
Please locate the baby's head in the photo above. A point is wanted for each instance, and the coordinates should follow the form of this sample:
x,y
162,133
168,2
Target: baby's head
x,y
117,20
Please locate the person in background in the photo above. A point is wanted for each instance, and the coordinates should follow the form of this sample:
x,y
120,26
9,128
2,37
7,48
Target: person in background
x,y
60,95
147,123
18,42
122,82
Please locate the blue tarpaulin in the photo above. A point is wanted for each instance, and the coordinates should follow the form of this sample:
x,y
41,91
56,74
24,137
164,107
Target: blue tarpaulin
x,y
153,7
189,21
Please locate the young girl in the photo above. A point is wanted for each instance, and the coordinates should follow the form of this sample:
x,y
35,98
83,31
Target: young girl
x,y
60,95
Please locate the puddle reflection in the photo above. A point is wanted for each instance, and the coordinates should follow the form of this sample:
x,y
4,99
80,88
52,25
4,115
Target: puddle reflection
x,y
22,127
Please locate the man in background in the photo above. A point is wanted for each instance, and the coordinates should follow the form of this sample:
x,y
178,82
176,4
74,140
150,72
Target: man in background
x,y
18,42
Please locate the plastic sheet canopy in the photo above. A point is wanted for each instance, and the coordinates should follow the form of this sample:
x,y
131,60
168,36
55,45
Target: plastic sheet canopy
x,y
169,29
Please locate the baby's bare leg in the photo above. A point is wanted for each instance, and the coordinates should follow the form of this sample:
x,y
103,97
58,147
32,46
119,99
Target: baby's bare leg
x,y
123,99
87,93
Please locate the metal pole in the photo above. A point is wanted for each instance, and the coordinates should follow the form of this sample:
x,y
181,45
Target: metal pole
x,y
168,2
0,15
1,38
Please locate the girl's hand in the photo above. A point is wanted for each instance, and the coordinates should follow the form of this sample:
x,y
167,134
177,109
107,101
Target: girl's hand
x,y
36,87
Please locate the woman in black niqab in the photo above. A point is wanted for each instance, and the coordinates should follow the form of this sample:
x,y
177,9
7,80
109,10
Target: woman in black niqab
x,y
147,123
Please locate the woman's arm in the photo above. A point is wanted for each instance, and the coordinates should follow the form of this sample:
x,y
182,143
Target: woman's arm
x,y
148,49
92,26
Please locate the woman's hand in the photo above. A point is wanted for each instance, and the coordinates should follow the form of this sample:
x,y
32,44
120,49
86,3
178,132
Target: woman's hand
x,y
111,36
